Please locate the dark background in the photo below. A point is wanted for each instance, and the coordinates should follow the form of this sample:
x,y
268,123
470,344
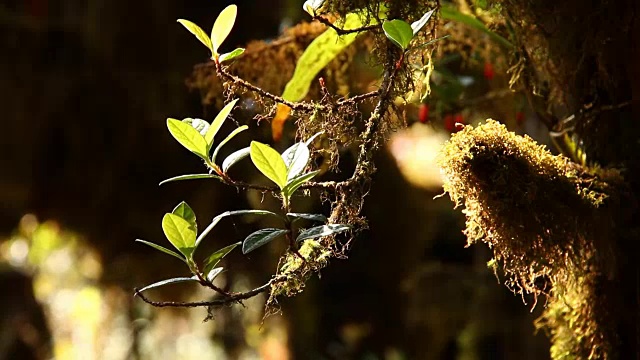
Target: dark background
x,y
86,87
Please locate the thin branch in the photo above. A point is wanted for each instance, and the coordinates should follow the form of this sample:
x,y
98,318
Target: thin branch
x,y
299,106
358,98
340,31
232,298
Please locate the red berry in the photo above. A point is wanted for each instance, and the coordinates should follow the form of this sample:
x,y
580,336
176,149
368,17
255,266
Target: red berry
x,y
449,123
488,71
458,122
423,113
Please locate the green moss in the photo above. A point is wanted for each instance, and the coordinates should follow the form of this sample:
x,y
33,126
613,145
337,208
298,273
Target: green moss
x,y
545,218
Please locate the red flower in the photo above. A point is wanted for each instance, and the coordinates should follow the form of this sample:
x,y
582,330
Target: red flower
x,y
488,71
423,113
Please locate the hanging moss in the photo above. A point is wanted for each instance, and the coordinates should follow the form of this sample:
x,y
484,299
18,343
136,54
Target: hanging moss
x,y
547,221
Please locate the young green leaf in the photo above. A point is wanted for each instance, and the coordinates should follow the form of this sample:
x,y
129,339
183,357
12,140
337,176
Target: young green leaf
x,y
163,249
168,282
399,32
269,162
260,238
198,32
231,55
184,211
191,177
312,217
296,182
213,259
222,27
216,124
217,219
188,137
322,230
226,140
213,273
417,25
180,233
234,158
201,125
296,158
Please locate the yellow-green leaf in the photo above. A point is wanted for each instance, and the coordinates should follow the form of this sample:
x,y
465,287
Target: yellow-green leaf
x,y
188,137
231,55
269,162
222,27
217,122
399,32
198,32
180,233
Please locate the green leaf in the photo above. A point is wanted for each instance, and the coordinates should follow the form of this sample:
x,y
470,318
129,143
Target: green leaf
x,y
180,233
450,13
231,55
234,158
322,230
269,162
201,125
226,140
399,32
417,25
163,249
296,182
311,6
295,159
312,217
217,219
222,27
168,282
191,177
184,211
213,274
316,56
198,32
188,137
213,259
216,124
260,238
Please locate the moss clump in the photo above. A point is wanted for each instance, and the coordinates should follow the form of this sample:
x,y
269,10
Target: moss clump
x,y
547,220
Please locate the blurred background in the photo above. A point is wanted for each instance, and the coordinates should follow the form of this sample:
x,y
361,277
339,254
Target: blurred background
x,y
86,87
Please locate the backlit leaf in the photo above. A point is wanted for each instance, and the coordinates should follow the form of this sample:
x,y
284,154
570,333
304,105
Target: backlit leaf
x,y
260,238
188,137
198,32
312,217
222,27
201,125
269,162
184,211
180,233
216,124
231,55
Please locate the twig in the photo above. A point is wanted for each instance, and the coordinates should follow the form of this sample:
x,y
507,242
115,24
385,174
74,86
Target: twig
x,y
236,297
344,31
